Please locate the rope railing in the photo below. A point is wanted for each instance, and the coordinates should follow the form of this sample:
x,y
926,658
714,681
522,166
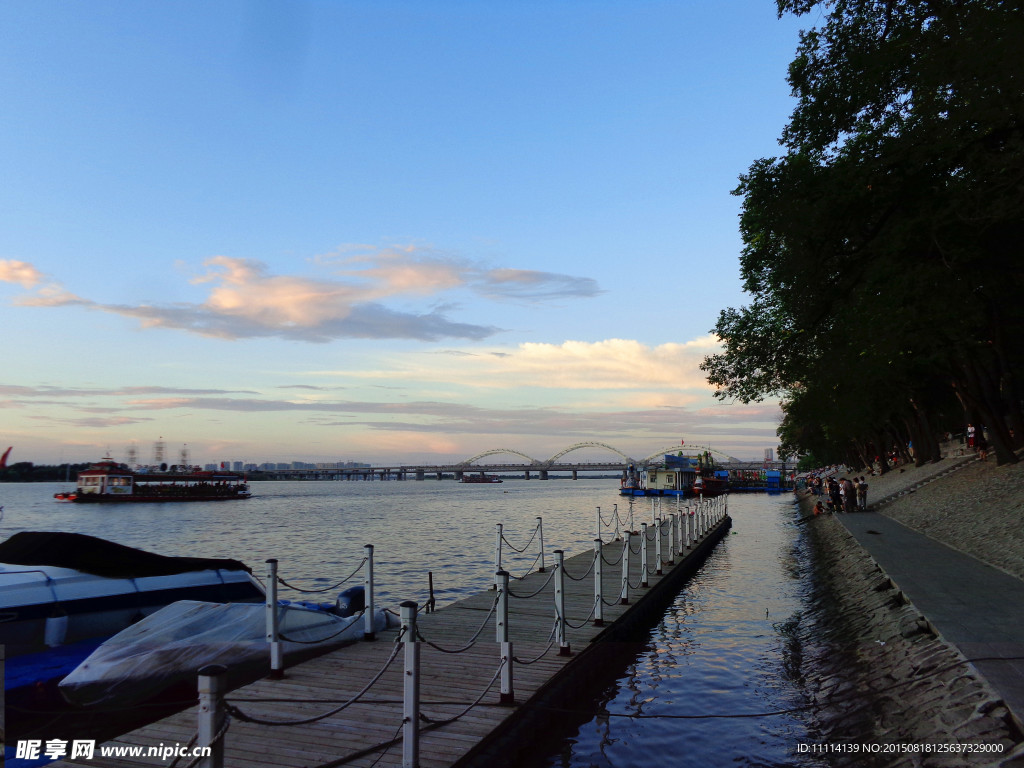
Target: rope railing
x,y
288,639
593,610
348,578
529,570
590,570
526,546
533,594
472,640
551,642
236,712
438,723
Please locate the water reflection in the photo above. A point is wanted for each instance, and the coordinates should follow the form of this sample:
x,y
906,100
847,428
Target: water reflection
x,y
708,683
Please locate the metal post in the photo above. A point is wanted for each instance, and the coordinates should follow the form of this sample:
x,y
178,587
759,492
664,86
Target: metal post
x,y
657,548
630,516
599,526
410,688
369,630
672,538
563,644
501,636
497,549
598,583
624,591
212,687
540,530
273,626
643,555
615,511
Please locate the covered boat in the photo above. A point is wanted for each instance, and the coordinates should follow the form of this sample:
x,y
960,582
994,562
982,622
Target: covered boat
x,y
109,481
58,588
165,651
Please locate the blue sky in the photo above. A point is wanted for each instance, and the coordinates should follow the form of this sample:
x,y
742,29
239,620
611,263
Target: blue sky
x,y
381,230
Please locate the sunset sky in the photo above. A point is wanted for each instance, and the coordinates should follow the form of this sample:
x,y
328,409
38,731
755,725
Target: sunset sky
x,y
376,231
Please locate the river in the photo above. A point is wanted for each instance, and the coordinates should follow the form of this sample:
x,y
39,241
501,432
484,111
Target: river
x,y
703,687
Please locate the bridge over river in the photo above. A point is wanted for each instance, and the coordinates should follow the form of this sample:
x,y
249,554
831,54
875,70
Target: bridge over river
x,y
524,466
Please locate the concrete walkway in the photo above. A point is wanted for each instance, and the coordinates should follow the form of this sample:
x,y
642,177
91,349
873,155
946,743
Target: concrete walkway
x,y
974,606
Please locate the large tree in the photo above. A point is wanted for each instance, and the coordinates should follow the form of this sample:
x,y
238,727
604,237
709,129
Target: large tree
x,y
882,250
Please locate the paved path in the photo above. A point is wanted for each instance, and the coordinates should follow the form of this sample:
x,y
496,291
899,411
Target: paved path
x,y
974,606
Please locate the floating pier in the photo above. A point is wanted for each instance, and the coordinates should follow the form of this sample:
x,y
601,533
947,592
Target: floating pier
x,y
466,685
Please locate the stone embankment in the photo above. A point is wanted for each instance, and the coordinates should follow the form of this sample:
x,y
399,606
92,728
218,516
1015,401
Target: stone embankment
x,y
876,672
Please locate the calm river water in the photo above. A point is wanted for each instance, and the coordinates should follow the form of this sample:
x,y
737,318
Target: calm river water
x,y
700,689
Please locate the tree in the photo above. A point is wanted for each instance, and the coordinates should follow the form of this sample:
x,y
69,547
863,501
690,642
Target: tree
x,y
882,250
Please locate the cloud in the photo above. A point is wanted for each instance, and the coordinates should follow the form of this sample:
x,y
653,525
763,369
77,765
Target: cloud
x,y
20,272
527,285
245,300
611,364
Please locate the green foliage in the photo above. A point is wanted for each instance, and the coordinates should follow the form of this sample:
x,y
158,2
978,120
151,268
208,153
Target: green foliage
x,y
882,251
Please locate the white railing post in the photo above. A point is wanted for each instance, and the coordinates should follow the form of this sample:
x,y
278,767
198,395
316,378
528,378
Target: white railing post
x,y
497,549
410,688
540,532
212,687
599,524
273,625
615,511
672,538
598,583
643,555
624,591
369,630
501,636
657,548
563,643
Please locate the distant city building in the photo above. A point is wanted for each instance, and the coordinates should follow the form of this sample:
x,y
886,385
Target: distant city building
x,y
210,467
237,466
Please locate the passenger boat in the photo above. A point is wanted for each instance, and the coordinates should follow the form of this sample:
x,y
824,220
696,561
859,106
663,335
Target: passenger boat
x,y
677,476
109,481
481,478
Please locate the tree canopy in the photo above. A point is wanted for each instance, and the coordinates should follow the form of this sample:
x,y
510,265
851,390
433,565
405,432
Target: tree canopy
x,y
882,248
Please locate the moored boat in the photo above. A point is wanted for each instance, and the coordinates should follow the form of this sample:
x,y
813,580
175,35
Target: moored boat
x,y
677,475
481,478
164,652
60,588
109,481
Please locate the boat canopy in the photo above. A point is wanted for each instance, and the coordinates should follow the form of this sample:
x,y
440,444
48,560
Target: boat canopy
x,y
100,557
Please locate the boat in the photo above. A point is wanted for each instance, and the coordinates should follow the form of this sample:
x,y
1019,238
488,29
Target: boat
x,y
678,475
110,481
63,594
161,655
481,478
60,588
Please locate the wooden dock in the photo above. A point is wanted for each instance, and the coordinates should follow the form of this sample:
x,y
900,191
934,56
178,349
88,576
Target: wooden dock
x,y
484,734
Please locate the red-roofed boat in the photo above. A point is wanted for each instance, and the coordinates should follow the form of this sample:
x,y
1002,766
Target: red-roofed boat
x,y
109,481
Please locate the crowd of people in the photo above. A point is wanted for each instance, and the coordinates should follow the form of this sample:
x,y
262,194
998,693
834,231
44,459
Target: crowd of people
x,y
838,495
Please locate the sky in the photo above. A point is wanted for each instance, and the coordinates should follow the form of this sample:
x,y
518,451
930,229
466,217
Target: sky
x,y
377,231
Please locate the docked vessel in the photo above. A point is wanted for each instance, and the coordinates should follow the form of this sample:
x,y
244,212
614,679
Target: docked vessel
x,y
481,478
677,476
61,588
163,653
109,481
